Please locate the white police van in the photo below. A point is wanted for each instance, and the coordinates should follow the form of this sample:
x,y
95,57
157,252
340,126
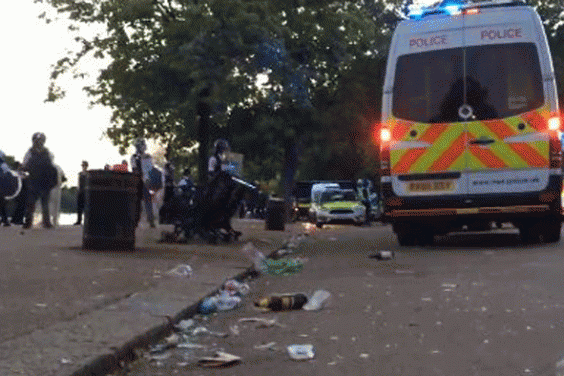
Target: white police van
x,y
470,131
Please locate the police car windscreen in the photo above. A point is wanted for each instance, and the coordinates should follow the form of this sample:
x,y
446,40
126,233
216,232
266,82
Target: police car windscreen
x,y
501,81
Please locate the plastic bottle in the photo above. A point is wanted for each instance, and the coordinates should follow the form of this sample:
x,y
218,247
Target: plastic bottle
x,y
208,305
317,300
225,301
284,302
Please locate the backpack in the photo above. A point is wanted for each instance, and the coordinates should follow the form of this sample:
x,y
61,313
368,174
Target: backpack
x,y
155,181
42,172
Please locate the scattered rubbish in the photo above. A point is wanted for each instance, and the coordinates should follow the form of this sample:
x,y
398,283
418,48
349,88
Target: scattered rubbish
x,y
172,340
189,345
282,267
220,359
207,305
284,302
262,323
220,302
66,361
560,368
266,346
159,357
364,356
317,301
301,352
332,239
256,256
41,305
449,285
181,270
334,338
234,329
184,325
227,302
382,255
203,330
160,348
404,271
234,287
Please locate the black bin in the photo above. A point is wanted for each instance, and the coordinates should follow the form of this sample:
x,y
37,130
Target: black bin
x,y
275,214
110,210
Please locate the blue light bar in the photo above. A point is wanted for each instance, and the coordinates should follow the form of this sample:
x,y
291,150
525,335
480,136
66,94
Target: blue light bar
x,y
452,9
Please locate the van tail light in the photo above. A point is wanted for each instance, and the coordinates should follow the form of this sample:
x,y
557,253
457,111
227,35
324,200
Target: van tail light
x,y
555,146
554,123
385,137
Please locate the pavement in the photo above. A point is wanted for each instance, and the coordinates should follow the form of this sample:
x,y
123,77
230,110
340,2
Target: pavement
x,y
65,310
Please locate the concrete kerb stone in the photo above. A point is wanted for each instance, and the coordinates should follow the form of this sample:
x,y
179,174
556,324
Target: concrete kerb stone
x,y
112,362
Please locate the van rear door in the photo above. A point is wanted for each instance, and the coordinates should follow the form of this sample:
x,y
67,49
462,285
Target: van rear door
x,y
508,142
427,148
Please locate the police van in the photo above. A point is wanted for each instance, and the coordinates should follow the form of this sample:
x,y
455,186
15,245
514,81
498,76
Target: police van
x,y
470,133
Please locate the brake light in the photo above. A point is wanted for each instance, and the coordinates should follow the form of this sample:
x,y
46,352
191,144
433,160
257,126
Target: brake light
x,y
554,123
385,135
555,146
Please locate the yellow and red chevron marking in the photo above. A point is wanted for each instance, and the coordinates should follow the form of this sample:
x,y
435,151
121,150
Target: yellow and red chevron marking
x,y
446,147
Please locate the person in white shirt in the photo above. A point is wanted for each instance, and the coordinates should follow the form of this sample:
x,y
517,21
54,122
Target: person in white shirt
x,y
142,163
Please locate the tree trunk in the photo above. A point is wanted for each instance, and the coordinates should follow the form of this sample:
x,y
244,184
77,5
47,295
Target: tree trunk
x,y
204,112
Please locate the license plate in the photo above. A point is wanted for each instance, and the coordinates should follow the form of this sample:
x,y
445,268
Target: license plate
x,y
432,186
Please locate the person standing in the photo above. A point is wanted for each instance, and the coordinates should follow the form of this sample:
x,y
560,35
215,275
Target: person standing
x,y
81,193
38,162
168,181
215,162
142,163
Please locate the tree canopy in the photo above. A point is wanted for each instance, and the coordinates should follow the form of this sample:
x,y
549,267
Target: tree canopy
x,y
168,56
181,71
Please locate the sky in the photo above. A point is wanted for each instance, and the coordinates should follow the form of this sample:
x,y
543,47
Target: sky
x,y
74,131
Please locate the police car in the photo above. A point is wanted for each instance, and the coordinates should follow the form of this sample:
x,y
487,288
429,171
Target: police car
x,y
470,130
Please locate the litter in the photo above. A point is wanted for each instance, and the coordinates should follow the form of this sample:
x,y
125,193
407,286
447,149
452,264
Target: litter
x,y
284,302
301,352
203,330
184,325
382,255
181,270
234,287
317,301
282,267
254,255
220,359
266,346
262,323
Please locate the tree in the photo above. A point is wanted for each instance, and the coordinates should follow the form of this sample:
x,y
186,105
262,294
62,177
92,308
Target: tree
x,y
178,66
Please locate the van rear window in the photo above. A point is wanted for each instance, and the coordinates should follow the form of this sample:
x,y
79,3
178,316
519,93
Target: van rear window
x,y
501,81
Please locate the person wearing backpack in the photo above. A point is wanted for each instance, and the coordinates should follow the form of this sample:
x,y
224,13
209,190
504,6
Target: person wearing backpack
x,y
43,176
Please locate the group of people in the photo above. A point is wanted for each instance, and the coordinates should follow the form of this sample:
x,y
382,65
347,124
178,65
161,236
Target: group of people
x,y
38,175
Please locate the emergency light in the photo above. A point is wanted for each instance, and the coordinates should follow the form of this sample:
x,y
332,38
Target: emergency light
x,y
457,7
